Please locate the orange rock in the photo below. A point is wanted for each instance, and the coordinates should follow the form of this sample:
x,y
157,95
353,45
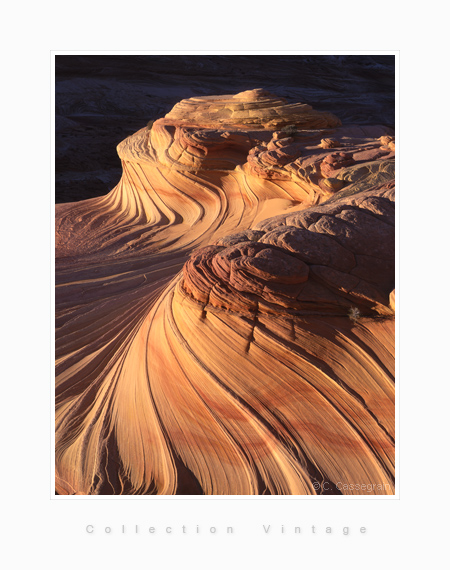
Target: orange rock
x,y
392,300
203,338
329,143
385,140
331,184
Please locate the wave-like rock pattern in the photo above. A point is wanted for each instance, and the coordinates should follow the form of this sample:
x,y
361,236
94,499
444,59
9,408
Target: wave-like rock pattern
x,y
324,260
225,316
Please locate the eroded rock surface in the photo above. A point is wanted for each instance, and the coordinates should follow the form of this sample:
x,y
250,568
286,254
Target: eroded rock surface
x,y
100,100
323,260
225,315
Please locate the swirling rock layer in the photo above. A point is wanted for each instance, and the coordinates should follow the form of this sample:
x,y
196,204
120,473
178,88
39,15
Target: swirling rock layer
x,y
323,260
224,316
99,100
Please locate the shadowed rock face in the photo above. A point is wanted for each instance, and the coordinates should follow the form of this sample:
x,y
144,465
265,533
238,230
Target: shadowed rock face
x,y
225,315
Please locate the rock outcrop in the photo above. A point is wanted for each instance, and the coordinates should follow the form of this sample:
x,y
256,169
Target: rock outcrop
x,y
225,315
100,100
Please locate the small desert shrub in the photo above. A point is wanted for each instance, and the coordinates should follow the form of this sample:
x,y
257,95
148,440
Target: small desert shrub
x,y
354,314
290,130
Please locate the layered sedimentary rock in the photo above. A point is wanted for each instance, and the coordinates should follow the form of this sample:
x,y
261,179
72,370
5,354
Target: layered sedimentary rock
x,y
323,260
225,316
254,108
100,100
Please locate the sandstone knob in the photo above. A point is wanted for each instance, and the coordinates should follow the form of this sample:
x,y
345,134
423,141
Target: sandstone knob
x,y
253,95
385,140
329,143
333,183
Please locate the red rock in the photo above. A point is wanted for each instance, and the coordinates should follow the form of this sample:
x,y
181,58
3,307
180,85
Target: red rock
x,y
334,162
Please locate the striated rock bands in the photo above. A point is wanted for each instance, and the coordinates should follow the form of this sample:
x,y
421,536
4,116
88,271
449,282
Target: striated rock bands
x,y
225,315
323,260
256,108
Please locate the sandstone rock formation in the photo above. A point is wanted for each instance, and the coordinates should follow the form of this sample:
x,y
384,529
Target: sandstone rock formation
x,y
225,315
102,99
